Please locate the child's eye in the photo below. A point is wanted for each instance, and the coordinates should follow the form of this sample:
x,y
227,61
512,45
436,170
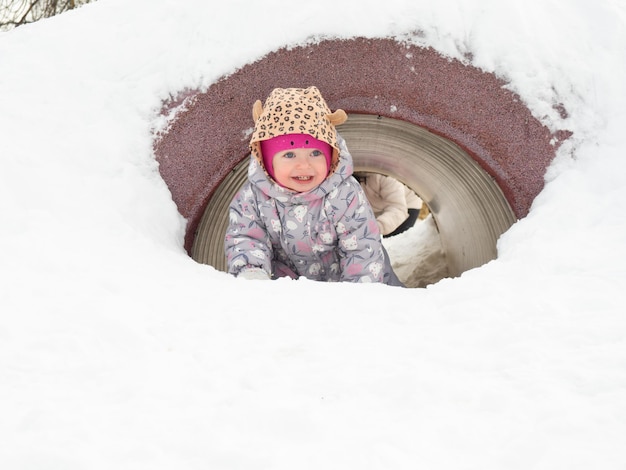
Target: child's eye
x,y
289,155
316,153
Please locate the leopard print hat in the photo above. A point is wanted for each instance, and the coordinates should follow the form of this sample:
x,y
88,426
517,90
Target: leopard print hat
x,y
296,111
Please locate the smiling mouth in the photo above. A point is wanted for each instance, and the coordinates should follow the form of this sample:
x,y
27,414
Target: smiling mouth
x,y
303,178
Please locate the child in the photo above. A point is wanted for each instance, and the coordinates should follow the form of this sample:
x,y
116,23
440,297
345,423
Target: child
x,y
301,213
395,205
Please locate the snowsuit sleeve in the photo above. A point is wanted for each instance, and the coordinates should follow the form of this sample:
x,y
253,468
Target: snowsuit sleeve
x,y
246,244
362,258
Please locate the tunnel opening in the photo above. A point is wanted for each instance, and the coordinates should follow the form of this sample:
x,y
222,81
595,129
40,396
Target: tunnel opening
x,y
467,207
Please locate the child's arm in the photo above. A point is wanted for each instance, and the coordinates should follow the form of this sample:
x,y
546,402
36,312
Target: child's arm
x,y
247,245
360,247
395,211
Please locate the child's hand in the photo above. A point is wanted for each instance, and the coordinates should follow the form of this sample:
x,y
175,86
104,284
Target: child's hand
x,y
254,274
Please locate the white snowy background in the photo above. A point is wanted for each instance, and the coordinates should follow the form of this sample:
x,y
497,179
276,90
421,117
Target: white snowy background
x,y
117,351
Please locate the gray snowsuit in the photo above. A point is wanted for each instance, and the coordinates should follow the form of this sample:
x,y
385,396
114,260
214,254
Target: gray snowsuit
x,y
327,234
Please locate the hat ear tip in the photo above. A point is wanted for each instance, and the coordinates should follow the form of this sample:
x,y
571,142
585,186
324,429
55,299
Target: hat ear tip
x,y
257,109
338,117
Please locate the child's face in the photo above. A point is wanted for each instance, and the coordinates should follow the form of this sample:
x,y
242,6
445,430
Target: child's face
x,y
300,169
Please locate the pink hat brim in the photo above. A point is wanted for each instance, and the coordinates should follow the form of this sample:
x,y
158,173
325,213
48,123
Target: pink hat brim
x,y
280,143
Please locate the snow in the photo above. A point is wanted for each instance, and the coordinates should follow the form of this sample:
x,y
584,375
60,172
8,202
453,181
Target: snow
x,y
119,351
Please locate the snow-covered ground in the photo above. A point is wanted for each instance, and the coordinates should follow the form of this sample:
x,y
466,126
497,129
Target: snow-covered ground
x,y
117,351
